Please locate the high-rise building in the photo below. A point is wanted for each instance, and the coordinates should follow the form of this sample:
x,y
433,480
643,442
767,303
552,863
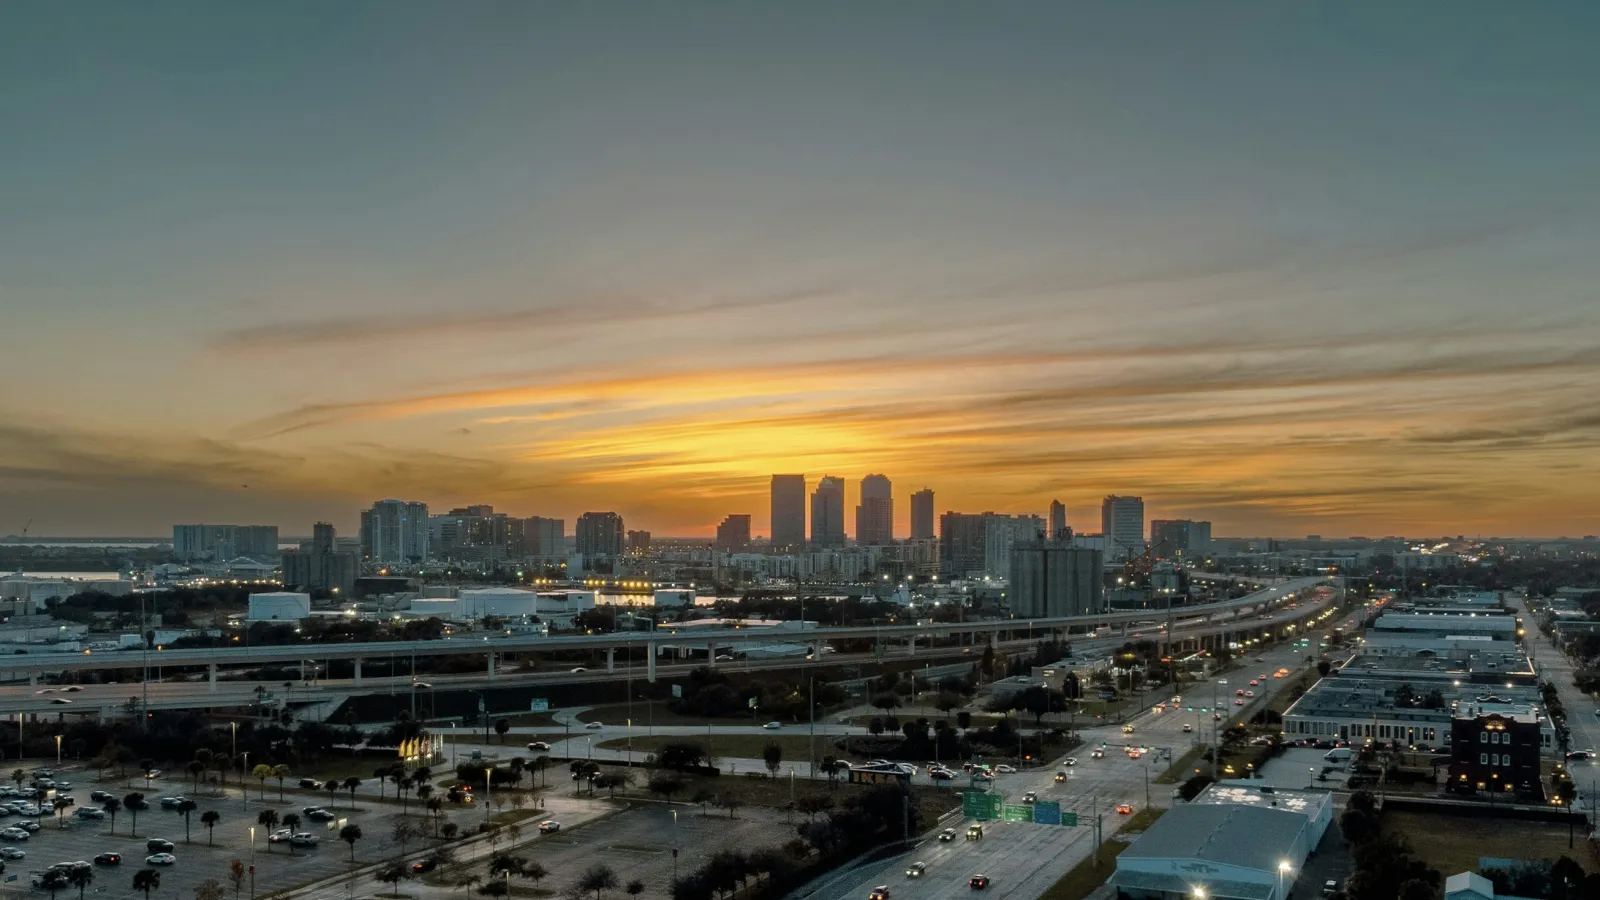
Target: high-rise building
x,y
638,542
1051,578
788,513
1000,534
961,544
472,532
395,531
543,538
1179,538
922,515
600,534
733,535
1058,518
875,514
201,543
827,513
1122,523
320,566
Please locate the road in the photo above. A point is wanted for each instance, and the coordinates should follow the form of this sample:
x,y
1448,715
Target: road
x,y
1554,666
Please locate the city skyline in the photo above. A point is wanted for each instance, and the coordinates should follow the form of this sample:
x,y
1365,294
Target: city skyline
x,y
1320,271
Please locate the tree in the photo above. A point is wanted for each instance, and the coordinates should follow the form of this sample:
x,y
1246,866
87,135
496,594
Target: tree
x,y
501,726
886,701
1363,801
731,802
534,872
986,665
146,766
392,875
635,888
236,875
332,787
210,889
350,834
1324,667
80,879
666,784
209,819
597,878
403,831
19,776
964,720
262,773
268,820
772,755
397,777
111,805
946,701
195,768
184,808
448,830
134,803
146,880
350,784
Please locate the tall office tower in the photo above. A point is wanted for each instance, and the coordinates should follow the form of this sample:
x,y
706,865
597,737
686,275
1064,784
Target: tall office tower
x,y
323,538
638,542
395,531
1179,538
1000,534
961,544
733,535
1122,523
544,538
600,534
1058,518
472,532
193,543
922,515
788,513
1051,578
875,515
827,513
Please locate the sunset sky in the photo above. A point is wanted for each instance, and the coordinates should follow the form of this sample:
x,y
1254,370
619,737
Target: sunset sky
x,y
1297,268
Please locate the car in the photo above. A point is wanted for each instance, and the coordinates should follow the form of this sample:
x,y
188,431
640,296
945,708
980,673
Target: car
x,y
1239,702
881,892
108,859
942,775
424,865
773,726
1217,717
13,834
1330,887
1006,770
1124,809
60,701
916,869
310,784
281,835
171,802
1097,754
1061,777
304,839
549,826
1177,700
11,853
975,831
538,745
1580,754
322,815
1187,728
161,859
978,882
981,775
153,773
43,783
1030,797
1262,676
45,691
30,827
1239,692
157,845
72,688
1127,729
1254,683
99,796
1070,761
50,881
1249,693
947,835
1135,754
595,725
67,799
578,670
62,785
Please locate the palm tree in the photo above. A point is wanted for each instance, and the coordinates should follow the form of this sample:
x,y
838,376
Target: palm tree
x,y
146,766
19,776
209,819
60,805
268,820
280,772
184,808
262,773
333,790
133,803
349,834
146,880
436,810
80,878
397,776
111,805
291,821
350,784
195,768
222,762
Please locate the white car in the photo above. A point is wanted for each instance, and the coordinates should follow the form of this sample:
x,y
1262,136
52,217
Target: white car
x,y
14,834
538,745
161,859
595,725
549,827
11,853
1006,770
773,726
279,836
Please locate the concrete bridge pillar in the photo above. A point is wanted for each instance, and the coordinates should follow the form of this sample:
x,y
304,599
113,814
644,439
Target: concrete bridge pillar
x,y
491,665
911,646
650,664
356,665
211,677
711,655
33,679
611,659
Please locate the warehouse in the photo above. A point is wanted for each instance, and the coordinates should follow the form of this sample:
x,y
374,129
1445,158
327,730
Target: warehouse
x,y
279,606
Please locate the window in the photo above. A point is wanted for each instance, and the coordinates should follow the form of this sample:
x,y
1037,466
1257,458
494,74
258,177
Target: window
x,y
1483,759
1483,737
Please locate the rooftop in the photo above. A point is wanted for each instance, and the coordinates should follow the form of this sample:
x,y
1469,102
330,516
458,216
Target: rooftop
x,y
1253,837
1253,793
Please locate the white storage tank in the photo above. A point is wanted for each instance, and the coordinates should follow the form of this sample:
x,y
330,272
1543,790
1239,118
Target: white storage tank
x,y
496,602
279,606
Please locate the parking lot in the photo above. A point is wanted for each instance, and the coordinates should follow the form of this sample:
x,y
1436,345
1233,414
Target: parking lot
x,y
275,870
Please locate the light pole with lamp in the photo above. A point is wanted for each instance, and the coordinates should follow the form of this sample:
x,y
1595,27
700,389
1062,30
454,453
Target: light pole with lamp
x,y
252,862
58,751
235,750
488,782
1283,869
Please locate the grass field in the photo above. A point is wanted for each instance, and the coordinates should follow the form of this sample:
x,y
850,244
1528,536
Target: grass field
x,y
1082,879
1453,844
1182,768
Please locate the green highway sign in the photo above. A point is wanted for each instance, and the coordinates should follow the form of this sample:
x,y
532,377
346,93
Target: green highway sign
x,y
978,805
1023,813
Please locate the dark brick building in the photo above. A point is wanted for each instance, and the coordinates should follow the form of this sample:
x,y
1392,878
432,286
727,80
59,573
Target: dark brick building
x,y
1495,753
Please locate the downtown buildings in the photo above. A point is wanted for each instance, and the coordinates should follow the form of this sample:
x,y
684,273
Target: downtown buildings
x,y
600,535
788,513
1122,525
396,532
922,516
215,543
319,566
827,513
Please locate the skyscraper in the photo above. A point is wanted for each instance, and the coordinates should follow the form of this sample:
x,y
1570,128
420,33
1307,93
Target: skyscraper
x,y
961,544
1000,534
322,538
223,542
733,535
1058,519
875,514
1179,538
638,542
600,534
922,515
1122,524
319,567
788,513
395,531
544,538
827,513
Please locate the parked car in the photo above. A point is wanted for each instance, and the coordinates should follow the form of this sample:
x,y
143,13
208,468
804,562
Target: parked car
x,y
13,834
304,839
310,784
279,836
11,853
171,802
99,796
161,859
157,845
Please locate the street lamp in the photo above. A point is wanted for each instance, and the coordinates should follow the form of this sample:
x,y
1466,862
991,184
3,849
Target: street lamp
x,y
1283,869
488,781
1199,893
58,750
235,750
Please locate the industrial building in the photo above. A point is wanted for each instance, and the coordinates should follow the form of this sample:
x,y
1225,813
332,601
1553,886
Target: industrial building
x,y
279,606
1054,578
